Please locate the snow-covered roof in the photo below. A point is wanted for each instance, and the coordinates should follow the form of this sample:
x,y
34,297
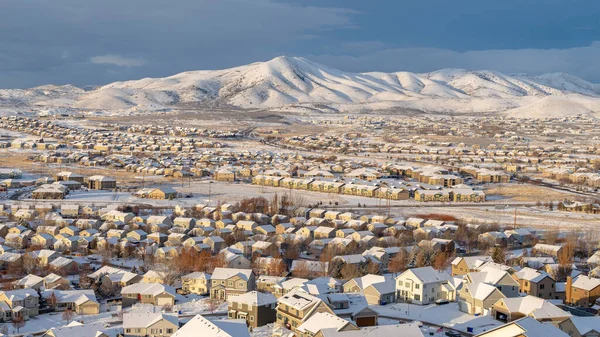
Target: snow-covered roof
x,y
586,282
322,320
404,330
148,289
200,326
586,324
534,306
253,298
226,273
299,300
428,275
146,319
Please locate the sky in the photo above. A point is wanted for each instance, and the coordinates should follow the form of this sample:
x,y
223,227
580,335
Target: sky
x,y
98,42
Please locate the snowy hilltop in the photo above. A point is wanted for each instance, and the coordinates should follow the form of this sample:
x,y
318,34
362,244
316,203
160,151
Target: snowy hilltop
x,y
295,84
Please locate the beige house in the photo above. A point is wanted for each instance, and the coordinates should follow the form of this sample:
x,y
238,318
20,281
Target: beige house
x,y
226,281
478,298
20,302
148,293
81,302
196,283
296,307
425,286
510,309
156,324
536,283
464,265
524,327
581,326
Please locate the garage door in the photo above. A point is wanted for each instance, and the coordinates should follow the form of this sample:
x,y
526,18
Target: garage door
x,y
163,301
365,321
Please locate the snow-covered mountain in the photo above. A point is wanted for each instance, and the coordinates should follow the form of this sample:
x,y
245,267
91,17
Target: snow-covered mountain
x,y
297,84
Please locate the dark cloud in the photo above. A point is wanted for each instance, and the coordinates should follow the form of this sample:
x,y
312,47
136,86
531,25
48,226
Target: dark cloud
x,y
84,39
96,42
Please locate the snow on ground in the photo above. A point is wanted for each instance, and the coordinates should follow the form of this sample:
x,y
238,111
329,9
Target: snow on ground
x,y
194,304
446,315
267,331
43,323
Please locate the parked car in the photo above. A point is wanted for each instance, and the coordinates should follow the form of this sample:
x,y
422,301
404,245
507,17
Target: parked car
x,y
441,302
452,333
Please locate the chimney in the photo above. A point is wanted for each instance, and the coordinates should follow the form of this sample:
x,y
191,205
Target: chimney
x,y
568,290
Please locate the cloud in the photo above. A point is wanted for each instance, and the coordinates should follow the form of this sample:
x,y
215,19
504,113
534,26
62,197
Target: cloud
x,y
118,60
176,35
579,61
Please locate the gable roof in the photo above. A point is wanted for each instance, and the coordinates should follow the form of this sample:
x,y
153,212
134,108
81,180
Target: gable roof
x,y
200,326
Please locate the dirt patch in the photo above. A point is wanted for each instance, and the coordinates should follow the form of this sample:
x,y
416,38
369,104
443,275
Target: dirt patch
x,y
527,193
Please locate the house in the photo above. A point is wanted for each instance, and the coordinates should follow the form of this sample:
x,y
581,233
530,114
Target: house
x,y
404,330
256,308
547,250
110,276
162,193
524,327
148,293
156,324
424,286
498,278
30,281
224,175
99,182
226,281
81,302
200,326
581,326
114,216
478,298
466,264
78,329
510,309
296,307
20,302
53,281
42,240
358,284
153,276
536,283
380,293
583,291
324,320
196,283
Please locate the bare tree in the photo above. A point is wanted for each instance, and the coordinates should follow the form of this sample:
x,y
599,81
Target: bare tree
x,y
399,262
51,301
68,315
18,322
213,305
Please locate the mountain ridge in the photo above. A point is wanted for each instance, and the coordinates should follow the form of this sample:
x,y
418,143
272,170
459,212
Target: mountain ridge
x,y
288,83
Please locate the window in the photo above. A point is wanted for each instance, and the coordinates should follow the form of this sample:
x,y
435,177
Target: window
x,y
542,286
400,283
417,297
251,318
417,286
169,331
432,290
